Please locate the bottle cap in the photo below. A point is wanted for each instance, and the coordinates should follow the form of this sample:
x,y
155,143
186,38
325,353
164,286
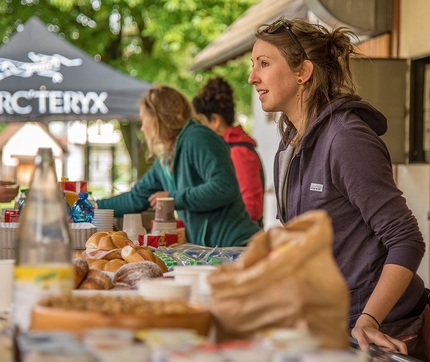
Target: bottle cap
x,y
83,195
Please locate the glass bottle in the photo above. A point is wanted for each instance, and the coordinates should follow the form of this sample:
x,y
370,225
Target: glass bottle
x,y
43,243
82,210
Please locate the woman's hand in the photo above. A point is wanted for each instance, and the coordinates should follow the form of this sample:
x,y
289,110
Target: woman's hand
x,y
153,198
366,332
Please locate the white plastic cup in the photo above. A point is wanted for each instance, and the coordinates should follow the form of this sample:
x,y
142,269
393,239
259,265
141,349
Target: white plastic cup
x,y
132,226
196,276
132,221
162,289
6,284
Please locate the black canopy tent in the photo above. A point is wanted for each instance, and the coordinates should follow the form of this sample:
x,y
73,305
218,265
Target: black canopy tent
x,y
45,78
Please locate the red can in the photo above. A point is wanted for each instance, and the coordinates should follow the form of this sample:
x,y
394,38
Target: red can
x,y
11,215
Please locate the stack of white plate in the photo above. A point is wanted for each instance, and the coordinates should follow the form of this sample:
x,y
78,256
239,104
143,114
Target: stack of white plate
x,y
103,219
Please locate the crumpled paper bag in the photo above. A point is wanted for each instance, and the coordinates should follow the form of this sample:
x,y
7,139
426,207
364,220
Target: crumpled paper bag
x,y
286,278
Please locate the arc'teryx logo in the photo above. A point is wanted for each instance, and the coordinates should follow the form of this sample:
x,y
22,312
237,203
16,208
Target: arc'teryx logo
x,y
43,65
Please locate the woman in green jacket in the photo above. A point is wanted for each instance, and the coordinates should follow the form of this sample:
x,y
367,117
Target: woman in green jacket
x,y
194,167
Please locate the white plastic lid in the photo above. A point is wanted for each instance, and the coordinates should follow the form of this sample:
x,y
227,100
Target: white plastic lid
x,y
164,226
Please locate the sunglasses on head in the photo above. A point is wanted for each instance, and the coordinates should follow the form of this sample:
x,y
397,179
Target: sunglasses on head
x,y
273,28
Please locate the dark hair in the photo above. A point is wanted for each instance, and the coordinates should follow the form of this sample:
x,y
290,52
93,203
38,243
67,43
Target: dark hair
x,y
329,53
216,97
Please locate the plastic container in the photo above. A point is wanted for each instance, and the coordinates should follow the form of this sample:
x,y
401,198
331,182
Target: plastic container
x,y
82,210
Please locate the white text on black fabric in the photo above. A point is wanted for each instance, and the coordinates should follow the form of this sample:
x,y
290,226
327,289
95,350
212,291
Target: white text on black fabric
x,y
53,102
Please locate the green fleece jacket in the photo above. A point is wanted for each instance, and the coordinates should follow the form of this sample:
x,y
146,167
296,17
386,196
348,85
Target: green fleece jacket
x,y
203,185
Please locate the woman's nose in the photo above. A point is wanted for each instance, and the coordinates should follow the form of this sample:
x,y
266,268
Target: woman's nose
x,y
252,77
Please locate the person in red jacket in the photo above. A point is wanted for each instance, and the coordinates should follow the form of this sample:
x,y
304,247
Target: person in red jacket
x,y
216,102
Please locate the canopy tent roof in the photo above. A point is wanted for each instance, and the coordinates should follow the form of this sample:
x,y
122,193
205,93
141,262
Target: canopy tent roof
x,y
366,20
238,38
45,78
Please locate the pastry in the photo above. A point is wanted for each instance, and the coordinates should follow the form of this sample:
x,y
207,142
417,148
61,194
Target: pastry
x,y
80,269
133,273
96,279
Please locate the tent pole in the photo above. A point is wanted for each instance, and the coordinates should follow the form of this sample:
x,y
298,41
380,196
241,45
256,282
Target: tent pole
x,y
135,153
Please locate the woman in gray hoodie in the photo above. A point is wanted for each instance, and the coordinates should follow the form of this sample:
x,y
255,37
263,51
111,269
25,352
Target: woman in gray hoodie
x,y
331,157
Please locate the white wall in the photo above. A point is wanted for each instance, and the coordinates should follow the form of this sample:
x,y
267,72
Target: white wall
x,y
267,137
414,180
414,28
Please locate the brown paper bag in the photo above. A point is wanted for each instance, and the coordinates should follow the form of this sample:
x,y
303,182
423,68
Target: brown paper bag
x,y
286,278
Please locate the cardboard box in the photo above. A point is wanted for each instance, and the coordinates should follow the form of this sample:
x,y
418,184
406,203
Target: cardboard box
x,y
74,186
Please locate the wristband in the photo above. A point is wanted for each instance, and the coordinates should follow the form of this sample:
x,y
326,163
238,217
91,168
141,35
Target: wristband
x,y
371,316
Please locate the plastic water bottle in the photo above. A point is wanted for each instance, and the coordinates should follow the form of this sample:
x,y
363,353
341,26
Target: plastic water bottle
x,y
43,243
82,210
20,200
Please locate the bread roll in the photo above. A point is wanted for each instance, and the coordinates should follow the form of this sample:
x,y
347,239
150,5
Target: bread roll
x,y
90,261
130,255
99,264
80,269
121,286
106,240
77,254
107,265
112,254
114,264
91,284
133,273
161,264
96,279
146,253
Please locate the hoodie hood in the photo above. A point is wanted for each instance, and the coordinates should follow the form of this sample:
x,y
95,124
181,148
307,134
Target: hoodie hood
x,y
369,114
353,104
237,134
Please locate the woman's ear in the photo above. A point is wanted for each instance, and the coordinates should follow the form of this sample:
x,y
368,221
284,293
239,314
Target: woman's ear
x,y
306,72
215,121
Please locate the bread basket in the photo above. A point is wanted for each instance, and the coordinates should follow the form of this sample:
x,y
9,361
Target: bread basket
x,y
197,318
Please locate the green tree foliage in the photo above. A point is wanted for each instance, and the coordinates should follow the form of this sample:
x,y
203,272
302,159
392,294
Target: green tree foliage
x,y
153,40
